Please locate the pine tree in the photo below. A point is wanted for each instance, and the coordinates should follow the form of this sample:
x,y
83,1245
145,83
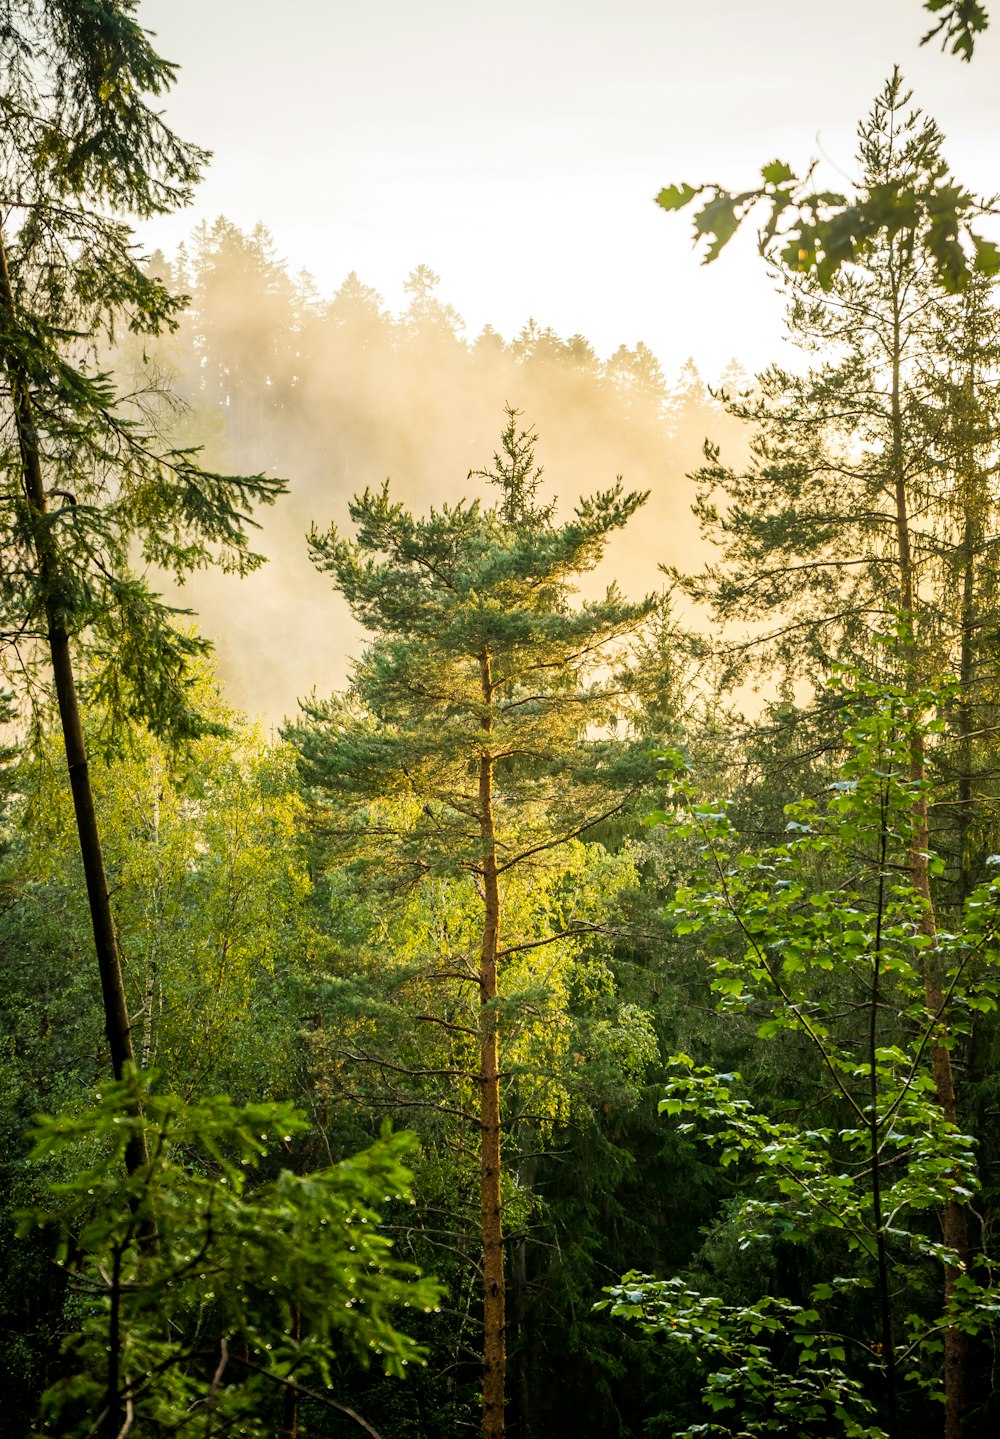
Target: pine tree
x,y
88,488
831,526
869,491
478,708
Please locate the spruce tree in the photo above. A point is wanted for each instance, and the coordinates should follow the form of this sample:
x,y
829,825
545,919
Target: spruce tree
x,y
92,497
481,707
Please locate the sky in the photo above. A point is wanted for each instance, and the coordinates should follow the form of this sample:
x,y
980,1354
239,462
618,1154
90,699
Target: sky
x,y
516,148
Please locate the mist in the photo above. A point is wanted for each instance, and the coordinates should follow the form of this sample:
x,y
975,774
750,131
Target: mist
x,y
337,394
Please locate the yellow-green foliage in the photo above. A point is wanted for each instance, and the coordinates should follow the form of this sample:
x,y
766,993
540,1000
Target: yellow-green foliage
x,y
405,977
208,884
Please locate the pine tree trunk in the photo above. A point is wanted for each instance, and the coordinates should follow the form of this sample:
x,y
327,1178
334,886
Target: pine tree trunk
x,y
972,510
116,1019
494,1296
955,1217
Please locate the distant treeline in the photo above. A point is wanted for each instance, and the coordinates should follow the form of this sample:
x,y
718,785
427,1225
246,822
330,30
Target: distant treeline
x,y
339,394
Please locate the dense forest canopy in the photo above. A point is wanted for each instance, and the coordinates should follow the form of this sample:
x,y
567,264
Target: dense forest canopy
x,y
581,1015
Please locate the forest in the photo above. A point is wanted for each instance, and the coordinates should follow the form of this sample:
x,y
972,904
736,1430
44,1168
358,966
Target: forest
x,y
478,960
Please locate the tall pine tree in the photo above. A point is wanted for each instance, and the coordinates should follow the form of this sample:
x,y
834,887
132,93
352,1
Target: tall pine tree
x,y
869,500
482,707
90,495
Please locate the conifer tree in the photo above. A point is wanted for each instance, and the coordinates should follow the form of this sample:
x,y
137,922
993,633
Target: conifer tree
x,y
89,491
869,492
477,707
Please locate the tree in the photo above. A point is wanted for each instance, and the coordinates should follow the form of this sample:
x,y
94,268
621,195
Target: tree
x,y
205,858
245,355
475,709
849,507
88,488
821,942
261,1281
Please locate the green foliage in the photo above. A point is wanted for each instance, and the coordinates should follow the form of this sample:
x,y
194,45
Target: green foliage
x,y
755,1389
205,856
818,232
399,1027
439,593
76,101
819,942
960,21
84,147
259,1278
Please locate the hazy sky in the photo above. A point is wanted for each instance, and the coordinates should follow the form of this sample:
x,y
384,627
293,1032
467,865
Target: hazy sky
x,y
515,147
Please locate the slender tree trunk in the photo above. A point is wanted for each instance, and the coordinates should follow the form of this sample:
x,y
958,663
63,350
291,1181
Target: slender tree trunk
x,y
875,1151
113,1404
955,1217
965,711
972,523
494,1297
525,1429
116,1018
290,1412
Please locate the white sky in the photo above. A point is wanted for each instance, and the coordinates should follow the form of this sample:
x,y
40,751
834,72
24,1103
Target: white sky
x,y
515,146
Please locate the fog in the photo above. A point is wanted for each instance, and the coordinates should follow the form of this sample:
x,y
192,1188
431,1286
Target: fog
x,y
336,394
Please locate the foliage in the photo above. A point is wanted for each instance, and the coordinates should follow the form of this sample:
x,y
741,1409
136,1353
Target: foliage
x,y
204,854
260,1278
831,957
764,1396
83,147
812,231
959,21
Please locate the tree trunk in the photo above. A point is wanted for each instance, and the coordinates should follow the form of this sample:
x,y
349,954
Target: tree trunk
x,y
521,1364
974,507
955,1219
494,1319
116,1019
875,1151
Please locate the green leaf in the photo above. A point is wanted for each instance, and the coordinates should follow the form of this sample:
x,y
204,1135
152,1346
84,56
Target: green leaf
x,y
987,260
675,197
777,173
717,222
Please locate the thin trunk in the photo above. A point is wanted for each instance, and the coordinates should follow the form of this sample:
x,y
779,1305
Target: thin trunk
x,y
521,1357
875,1148
147,1012
116,1018
494,1319
955,1218
113,1417
290,1414
964,736
971,539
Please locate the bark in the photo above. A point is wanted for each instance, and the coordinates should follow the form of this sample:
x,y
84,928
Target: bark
x,y
116,1018
875,1146
494,1296
971,540
955,1219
